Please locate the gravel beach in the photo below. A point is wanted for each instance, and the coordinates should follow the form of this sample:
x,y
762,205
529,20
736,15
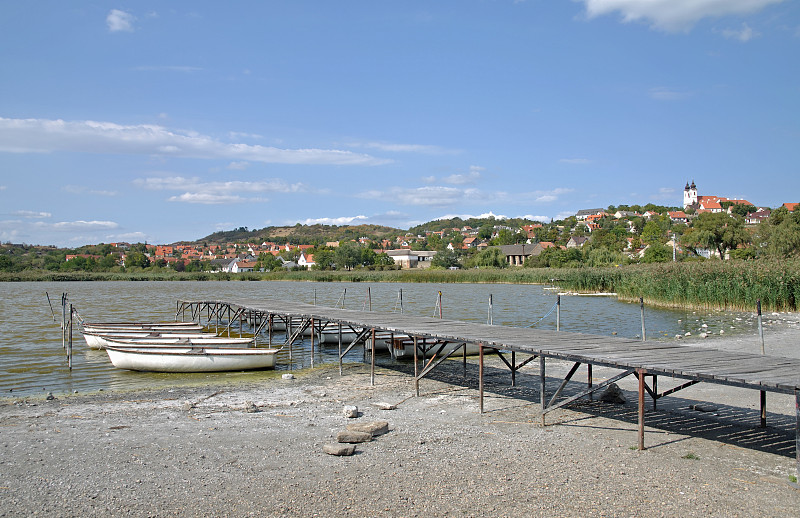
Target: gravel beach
x,y
257,450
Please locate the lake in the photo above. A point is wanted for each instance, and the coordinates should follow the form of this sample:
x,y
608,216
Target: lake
x,y
32,361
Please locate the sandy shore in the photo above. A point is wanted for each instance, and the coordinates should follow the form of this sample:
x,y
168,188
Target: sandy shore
x,y
257,450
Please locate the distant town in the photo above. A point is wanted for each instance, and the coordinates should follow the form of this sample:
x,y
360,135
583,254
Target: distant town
x,y
704,227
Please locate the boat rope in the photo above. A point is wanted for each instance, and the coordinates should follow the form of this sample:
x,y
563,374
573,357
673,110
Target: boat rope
x,y
546,315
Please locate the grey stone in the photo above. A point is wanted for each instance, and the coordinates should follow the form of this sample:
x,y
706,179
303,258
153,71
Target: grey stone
x,y
353,437
374,428
250,407
613,394
188,405
287,376
384,406
350,411
340,450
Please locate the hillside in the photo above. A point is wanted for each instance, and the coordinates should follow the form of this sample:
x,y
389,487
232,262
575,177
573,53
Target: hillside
x,y
302,234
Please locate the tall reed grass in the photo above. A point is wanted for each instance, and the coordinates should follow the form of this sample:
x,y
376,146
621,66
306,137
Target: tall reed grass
x,y
734,285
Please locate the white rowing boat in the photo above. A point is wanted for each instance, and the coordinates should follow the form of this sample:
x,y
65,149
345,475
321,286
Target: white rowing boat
x,y
219,342
191,359
97,340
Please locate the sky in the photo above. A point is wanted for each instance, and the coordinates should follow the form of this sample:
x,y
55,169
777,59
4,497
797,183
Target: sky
x,y
156,122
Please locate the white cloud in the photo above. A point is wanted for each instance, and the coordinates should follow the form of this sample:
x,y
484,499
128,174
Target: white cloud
x,y
79,189
403,148
210,199
71,226
120,21
441,196
216,193
744,34
31,214
3,187
674,15
344,220
462,179
662,93
43,136
485,215
238,166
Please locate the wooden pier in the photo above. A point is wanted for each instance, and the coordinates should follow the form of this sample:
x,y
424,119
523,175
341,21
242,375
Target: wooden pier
x,y
443,338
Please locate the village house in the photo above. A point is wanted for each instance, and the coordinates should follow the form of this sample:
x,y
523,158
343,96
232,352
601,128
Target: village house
x,y
411,258
577,241
306,260
585,213
754,218
678,216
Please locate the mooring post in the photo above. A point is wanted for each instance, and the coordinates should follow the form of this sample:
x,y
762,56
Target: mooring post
x,y
369,296
641,373
490,318
340,348
480,374
641,305
558,312
763,393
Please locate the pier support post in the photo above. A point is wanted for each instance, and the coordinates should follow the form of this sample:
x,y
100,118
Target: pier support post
x,y
542,386
372,361
312,343
340,348
480,374
416,374
797,437
641,373
589,380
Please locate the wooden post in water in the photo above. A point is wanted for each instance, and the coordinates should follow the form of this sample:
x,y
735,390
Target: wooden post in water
x,y
558,312
763,393
490,318
641,305
369,297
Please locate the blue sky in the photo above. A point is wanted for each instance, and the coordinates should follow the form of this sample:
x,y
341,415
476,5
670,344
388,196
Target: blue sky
x,y
165,121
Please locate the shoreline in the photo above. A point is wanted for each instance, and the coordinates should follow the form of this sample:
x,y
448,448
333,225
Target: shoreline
x,y
203,451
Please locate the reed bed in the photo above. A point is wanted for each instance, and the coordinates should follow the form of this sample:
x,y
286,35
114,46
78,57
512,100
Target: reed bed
x,y
731,285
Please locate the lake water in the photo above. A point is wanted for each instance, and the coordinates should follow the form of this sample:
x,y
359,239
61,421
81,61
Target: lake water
x,y
32,361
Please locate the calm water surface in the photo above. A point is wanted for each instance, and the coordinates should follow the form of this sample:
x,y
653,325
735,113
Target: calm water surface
x,y
32,361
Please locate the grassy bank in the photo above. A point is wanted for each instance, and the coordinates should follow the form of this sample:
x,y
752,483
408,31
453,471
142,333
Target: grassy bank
x,y
735,285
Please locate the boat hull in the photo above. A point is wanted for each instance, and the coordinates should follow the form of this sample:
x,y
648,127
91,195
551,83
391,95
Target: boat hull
x,y
191,359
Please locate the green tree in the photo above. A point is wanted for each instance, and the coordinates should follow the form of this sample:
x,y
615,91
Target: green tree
x,y
137,259
347,256
323,259
779,235
718,231
490,258
445,259
652,232
657,253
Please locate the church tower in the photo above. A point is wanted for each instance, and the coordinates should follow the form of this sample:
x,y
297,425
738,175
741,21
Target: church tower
x,y
689,195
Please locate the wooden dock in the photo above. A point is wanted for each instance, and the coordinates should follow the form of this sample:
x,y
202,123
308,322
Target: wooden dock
x,y
644,360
